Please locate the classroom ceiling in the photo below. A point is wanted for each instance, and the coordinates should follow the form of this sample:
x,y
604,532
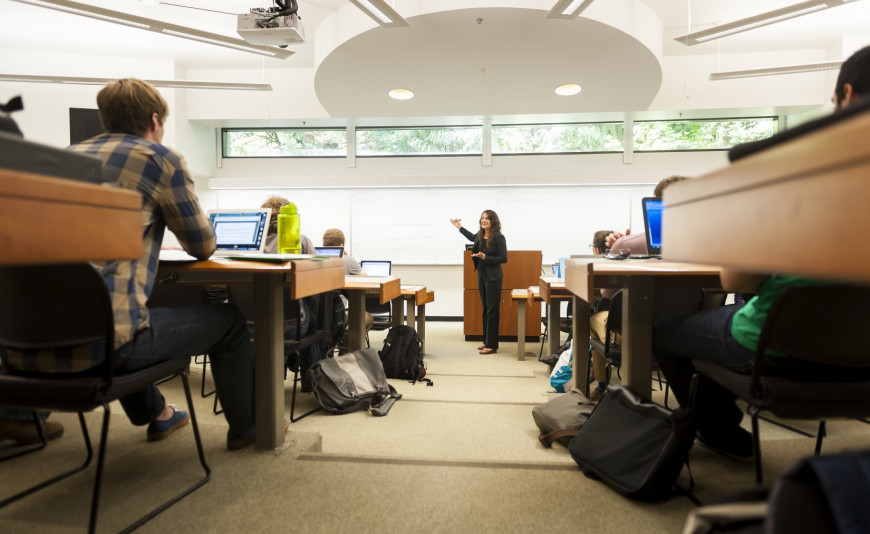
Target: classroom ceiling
x,y
459,57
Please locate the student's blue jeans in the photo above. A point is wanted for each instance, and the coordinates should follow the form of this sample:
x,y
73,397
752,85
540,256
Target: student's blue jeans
x,y
218,330
704,335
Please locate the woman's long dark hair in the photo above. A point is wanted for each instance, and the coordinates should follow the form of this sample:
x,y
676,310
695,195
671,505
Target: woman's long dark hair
x,y
494,230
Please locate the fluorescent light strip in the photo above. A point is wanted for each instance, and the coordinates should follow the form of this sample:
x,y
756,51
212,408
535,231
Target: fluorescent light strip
x,y
157,26
772,71
567,9
173,84
749,23
381,12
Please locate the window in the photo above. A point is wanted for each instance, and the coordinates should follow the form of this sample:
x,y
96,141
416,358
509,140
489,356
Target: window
x,y
283,142
719,134
557,138
458,140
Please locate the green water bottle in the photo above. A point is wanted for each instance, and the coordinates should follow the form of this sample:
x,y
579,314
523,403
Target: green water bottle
x,y
289,238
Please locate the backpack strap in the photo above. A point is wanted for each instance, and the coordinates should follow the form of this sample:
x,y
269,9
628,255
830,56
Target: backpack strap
x,y
549,438
383,408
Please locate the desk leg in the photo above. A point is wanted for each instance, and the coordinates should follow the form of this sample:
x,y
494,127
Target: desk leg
x,y
521,330
269,360
356,336
580,335
396,307
637,310
553,321
421,325
410,318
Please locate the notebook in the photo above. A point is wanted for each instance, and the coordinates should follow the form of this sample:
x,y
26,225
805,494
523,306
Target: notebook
x,y
241,230
329,251
653,208
377,267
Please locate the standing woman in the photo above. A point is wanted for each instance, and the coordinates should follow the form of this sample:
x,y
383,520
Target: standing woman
x,y
489,252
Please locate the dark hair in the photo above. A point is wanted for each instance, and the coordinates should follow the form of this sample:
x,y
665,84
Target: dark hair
x,y
599,240
494,229
127,105
665,182
856,72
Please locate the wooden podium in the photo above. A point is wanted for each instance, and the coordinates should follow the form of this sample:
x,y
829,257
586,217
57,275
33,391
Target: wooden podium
x,y
522,270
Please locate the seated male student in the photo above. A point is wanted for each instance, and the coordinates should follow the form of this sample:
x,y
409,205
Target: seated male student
x,y
335,238
729,335
133,114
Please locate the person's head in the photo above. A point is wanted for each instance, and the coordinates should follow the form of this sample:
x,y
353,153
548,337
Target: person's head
x,y
665,182
132,106
333,238
489,221
274,203
853,82
598,241
7,123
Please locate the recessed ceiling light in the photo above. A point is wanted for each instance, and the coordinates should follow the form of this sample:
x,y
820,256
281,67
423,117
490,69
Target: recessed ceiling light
x,y
401,94
568,89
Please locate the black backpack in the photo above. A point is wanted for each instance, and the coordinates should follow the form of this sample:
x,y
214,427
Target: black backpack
x,y
402,355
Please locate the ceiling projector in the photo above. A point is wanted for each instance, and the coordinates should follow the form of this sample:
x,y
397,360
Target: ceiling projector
x,y
265,27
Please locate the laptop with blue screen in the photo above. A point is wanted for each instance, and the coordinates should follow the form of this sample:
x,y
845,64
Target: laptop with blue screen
x,y
653,209
329,251
377,267
240,230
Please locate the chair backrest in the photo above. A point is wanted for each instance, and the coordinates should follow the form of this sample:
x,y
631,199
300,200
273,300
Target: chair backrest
x,y
58,314
824,324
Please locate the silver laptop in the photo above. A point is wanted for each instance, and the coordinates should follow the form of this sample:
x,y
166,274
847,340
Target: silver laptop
x,y
377,267
240,230
329,251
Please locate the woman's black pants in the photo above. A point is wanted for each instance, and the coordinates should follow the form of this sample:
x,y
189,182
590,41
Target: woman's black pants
x,y
490,298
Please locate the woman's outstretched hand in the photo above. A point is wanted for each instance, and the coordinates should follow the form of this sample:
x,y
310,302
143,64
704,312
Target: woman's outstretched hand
x,y
455,222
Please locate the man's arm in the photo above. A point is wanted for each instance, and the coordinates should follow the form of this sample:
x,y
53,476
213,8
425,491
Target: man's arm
x,y
185,217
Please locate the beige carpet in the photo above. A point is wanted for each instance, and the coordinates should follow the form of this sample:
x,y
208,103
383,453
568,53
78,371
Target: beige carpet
x,y
461,456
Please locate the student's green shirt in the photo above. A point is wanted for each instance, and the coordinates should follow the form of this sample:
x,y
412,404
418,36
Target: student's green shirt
x,y
747,322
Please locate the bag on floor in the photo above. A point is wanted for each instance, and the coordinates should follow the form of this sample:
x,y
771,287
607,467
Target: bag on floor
x,y
353,382
402,355
561,417
633,445
563,370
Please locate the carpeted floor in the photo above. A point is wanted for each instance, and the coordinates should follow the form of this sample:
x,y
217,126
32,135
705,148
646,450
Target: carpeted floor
x,y
461,456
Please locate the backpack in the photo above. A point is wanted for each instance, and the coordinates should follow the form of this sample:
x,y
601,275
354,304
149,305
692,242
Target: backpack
x,y
561,418
352,382
328,313
402,355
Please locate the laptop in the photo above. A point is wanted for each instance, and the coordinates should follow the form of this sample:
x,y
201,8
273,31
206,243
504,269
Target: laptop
x,y
653,208
377,267
240,230
329,251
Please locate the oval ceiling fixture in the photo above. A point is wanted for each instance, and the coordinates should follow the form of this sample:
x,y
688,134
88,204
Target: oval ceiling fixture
x,y
401,94
568,89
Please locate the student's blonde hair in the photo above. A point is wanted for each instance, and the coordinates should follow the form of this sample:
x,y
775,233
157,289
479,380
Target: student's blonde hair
x,y
333,238
127,105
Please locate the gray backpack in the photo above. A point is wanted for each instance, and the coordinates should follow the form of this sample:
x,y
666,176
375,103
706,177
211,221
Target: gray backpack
x,y
353,382
561,417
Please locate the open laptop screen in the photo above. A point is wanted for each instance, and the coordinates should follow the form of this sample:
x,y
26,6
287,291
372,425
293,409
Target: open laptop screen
x,y
377,267
329,251
653,208
240,230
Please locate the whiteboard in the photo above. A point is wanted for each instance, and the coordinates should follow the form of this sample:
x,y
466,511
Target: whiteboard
x,y
412,226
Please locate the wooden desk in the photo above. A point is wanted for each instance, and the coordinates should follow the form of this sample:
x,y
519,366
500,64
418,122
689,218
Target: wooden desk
x,y
415,299
553,292
421,316
55,220
357,287
303,278
638,279
781,209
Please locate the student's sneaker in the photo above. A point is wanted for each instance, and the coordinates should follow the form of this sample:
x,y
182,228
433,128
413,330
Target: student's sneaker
x,y
159,430
736,445
25,433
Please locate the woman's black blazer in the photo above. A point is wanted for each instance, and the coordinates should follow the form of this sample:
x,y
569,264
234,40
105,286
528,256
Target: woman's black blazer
x,y
489,269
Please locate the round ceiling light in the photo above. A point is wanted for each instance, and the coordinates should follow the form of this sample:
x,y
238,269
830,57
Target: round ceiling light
x,y
401,94
568,89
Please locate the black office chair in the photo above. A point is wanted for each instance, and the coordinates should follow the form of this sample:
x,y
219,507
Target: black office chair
x,y
294,349
381,313
565,325
59,317
167,293
823,330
